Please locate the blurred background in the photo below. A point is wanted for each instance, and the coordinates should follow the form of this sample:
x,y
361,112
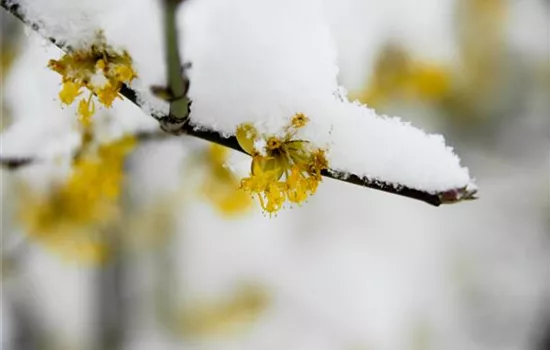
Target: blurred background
x,y
150,246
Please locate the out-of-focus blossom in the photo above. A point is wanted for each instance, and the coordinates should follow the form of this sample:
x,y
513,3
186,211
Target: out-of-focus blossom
x,y
482,75
226,316
72,217
467,89
221,186
398,76
7,56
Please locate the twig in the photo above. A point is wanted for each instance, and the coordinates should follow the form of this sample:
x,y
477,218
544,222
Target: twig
x,y
450,196
178,83
16,163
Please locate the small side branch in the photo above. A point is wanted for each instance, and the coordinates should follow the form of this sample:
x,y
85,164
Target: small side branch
x,y
176,77
16,163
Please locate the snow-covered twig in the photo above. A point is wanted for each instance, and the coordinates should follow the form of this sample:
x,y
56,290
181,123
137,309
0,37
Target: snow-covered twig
x,y
433,196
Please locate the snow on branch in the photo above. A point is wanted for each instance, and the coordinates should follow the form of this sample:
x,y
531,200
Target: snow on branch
x,y
261,64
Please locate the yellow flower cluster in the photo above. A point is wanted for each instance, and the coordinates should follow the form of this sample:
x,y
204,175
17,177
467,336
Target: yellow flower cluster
x,y
221,186
283,168
99,68
69,220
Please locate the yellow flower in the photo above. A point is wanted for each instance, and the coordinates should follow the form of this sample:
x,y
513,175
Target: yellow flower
x,y
298,186
299,120
124,73
100,68
220,186
296,162
107,94
69,92
100,65
69,220
273,197
86,109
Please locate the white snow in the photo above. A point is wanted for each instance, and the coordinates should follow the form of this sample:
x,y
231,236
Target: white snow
x,y
98,79
261,62
339,280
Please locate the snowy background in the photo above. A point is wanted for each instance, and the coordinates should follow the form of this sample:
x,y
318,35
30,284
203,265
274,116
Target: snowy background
x,y
350,269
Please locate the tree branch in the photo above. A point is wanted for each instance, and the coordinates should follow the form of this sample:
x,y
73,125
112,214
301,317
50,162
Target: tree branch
x,y
450,196
16,163
178,83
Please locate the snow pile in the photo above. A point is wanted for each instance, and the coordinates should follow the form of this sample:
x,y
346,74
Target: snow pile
x,y
261,62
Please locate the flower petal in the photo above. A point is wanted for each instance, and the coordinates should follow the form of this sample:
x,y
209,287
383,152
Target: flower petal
x,y
246,135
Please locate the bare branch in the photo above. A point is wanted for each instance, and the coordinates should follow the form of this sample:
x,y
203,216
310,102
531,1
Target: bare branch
x,y
450,196
16,163
178,83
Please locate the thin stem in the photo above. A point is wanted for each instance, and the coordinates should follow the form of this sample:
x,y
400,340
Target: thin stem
x,y
16,163
178,83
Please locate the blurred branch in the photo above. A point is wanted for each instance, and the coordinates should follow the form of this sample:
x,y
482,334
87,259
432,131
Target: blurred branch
x,y
173,123
16,163
28,334
111,322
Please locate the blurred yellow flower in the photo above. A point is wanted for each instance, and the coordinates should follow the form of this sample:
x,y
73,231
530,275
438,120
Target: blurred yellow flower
x,y
221,186
7,56
227,316
469,89
69,219
484,73
397,75
274,158
99,68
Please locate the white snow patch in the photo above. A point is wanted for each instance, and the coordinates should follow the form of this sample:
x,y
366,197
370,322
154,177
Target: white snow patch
x,y
260,145
98,80
261,62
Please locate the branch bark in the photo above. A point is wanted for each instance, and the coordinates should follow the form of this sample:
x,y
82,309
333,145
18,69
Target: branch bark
x,y
176,122
178,83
